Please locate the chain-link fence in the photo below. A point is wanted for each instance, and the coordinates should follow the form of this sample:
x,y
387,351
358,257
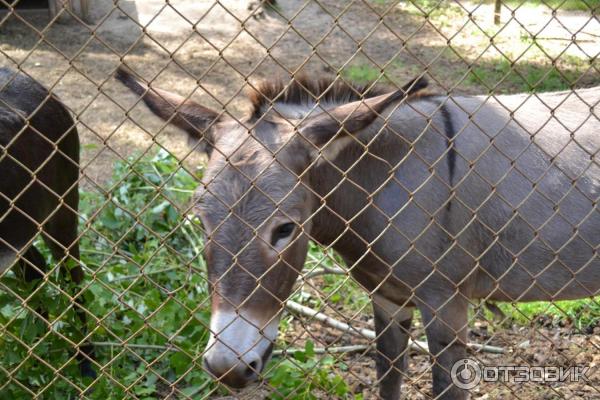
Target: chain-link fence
x,y
299,199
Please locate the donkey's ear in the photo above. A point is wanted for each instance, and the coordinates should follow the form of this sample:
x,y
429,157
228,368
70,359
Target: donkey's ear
x,y
353,117
177,110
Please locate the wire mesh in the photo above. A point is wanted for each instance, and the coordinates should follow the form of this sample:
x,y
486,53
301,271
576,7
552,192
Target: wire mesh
x,y
299,199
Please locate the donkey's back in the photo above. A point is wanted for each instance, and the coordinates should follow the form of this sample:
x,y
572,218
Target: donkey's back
x,y
528,166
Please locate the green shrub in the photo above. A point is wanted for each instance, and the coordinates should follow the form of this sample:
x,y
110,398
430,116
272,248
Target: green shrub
x,y
305,375
145,285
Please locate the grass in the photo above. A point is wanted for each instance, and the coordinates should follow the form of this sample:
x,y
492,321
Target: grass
x,y
567,5
526,69
502,76
471,53
499,75
581,314
335,290
570,5
361,73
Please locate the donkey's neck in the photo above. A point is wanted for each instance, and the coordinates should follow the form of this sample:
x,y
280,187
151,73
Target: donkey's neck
x,y
357,179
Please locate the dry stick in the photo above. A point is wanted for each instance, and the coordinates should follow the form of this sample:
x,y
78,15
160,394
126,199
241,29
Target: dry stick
x,y
322,271
416,345
326,350
344,327
135,346
566,39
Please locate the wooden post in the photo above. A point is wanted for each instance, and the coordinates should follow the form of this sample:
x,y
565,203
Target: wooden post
x,y
85,10
497,11
54,7
78,7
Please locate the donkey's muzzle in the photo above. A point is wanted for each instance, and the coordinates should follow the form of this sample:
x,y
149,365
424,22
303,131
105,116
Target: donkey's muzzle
x,y
239,346
234,371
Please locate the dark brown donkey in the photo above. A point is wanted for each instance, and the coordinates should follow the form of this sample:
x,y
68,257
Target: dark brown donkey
x,y
431,201
39,173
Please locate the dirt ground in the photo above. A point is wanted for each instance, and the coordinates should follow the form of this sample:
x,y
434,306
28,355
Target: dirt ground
x,y
542,343
199,48
534,345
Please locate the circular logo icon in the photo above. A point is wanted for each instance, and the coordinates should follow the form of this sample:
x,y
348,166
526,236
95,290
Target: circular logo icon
x,y
466,373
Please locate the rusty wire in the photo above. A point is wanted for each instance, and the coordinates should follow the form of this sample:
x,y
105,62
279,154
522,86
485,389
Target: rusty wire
x,y
166,361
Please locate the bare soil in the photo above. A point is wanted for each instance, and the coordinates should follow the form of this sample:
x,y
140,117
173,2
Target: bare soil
x,y
535,345
199,49
214,51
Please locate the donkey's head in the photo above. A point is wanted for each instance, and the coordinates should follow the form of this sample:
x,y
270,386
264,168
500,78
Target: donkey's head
x,y
255,202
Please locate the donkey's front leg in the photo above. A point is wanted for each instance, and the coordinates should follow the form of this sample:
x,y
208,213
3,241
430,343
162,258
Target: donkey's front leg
x,y
446,329
392,325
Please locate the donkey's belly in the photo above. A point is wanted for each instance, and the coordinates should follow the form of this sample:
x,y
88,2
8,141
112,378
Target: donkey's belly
x,y
543,249
553,284
542,274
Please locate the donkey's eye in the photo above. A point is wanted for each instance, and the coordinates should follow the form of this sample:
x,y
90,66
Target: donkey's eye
x,y
282,231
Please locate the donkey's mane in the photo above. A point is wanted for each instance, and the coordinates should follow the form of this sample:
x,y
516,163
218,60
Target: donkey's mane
x,y
304,91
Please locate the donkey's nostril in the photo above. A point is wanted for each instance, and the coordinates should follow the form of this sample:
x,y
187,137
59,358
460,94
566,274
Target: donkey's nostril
x,y
253,366
234,371
253,369
249,373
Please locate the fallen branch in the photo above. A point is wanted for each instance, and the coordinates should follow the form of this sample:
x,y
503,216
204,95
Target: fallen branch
x,y
591,34
415,345
135,346
418,346
329,321
326,350
566,39
323,271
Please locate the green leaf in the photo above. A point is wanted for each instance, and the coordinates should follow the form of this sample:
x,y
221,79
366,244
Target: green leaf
x,y
300,356
309,349
191,390
145,390
180,362
339,385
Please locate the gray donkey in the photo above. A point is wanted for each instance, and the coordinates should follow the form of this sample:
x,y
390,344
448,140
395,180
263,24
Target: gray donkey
x,y
431,200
